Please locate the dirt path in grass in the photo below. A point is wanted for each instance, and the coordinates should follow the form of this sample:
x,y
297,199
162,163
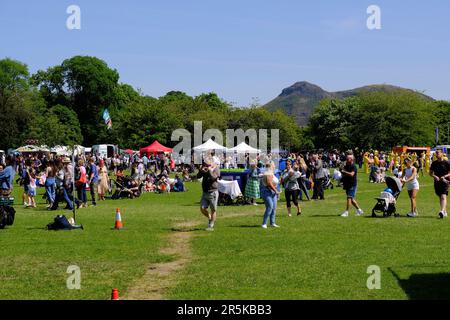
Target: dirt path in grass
x,y
160,277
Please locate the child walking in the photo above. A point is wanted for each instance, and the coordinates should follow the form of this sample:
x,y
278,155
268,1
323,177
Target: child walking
x,y
31,188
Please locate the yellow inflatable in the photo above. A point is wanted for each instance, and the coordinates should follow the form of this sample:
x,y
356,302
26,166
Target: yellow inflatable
x,y
391,159
427,162
366,162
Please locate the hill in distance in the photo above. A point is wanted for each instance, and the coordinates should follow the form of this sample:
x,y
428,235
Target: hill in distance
x,y
300,99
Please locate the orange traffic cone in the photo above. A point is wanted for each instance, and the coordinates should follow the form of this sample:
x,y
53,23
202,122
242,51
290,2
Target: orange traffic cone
x,y
118,225
115,294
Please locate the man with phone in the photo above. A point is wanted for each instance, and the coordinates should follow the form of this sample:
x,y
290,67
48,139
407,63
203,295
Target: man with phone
x,y
209,173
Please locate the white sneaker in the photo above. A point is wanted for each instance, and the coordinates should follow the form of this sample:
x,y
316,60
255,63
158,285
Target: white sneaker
x,y
264,226
210,229
345,214
359,212
274,225
412,215
442,215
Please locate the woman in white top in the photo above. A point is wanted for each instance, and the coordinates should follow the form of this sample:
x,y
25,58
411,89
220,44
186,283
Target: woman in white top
x,y
412,184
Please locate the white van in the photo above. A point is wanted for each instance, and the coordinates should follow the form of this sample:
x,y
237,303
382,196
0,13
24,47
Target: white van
x,y
445,148
105,151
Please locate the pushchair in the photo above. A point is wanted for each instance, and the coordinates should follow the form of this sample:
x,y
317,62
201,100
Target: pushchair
x,y
387,201
326,181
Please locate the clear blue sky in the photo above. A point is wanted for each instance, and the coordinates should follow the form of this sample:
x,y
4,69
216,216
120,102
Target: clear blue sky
x,y
240,49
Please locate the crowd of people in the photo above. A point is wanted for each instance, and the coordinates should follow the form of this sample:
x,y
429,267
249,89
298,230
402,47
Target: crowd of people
x,y
311,170
68,181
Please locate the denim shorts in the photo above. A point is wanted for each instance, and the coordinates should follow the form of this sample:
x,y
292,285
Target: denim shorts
x,y
32,192
351,192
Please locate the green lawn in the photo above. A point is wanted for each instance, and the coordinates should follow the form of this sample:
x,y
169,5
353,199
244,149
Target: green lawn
x,y
316,256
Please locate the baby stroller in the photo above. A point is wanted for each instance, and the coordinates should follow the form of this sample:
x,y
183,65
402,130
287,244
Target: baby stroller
x,y
326,182
387,200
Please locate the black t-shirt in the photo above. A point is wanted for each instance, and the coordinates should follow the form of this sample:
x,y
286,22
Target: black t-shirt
x,y
349,181
440,168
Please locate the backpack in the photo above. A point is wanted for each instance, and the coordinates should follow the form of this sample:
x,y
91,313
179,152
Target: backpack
x,y
7,215
60,223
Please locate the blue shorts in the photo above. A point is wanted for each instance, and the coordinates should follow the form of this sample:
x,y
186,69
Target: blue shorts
x,y
32,192
351,193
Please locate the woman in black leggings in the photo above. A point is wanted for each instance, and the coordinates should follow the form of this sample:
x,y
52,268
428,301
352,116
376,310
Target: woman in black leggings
x,y
292,190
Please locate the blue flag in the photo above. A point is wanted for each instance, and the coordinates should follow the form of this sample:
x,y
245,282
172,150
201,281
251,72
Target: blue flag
x,y
107,118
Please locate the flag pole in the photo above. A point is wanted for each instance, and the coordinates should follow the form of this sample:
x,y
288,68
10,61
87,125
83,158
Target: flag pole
x,y
73,186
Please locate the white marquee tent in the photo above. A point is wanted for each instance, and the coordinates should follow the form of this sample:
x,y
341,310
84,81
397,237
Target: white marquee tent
x,y
244,148
209,145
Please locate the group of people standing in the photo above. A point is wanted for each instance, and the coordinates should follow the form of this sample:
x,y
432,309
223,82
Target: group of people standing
x,y
59,178
266,184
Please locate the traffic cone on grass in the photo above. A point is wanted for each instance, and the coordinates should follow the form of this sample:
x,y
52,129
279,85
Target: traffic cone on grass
x,y
118,225
115,294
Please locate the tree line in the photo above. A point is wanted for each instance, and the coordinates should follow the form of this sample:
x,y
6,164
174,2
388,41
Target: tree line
x,y
63,105
379,120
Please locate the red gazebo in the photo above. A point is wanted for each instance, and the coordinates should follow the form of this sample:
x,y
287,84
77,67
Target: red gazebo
x,y
154,148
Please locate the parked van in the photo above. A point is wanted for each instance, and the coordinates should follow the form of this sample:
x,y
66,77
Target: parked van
x,y
105,151
445,148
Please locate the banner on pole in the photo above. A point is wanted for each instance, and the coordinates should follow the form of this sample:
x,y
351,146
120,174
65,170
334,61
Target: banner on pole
x,y
107,118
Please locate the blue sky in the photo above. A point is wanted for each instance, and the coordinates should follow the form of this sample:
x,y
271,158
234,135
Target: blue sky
x,y
240,49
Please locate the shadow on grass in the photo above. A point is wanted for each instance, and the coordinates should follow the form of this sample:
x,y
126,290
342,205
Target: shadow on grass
x,y
428,286
37,228
246,226
324,216
401,217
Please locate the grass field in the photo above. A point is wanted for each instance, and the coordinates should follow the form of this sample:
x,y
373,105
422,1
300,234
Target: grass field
x,y
317,256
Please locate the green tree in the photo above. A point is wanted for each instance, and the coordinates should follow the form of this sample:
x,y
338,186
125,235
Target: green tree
x,y
379,120
332,123
142,123
443,121
15,99
88,86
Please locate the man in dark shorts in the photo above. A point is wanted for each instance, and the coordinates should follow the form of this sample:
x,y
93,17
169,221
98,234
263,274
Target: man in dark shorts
x,y
350,184
210,174
440,171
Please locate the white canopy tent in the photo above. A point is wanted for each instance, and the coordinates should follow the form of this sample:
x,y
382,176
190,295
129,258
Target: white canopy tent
x,y
244,148
61,150
209,145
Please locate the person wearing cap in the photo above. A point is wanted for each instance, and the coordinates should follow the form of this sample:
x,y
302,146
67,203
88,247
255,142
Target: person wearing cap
x,y
68,183
412,184
440,171
209,173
